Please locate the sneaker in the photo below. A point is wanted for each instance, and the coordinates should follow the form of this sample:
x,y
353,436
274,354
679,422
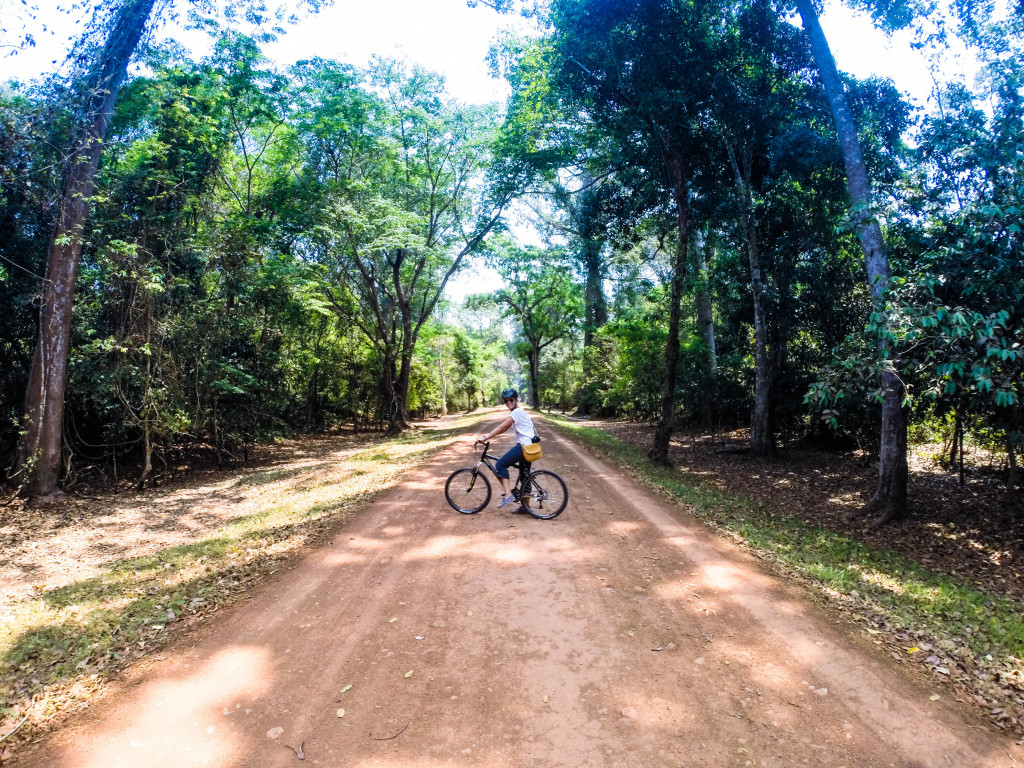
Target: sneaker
x,y
505,500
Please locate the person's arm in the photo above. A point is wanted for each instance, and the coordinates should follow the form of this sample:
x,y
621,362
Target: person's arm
x,y
497,431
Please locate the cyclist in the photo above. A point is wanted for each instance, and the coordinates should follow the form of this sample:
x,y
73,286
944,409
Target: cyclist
x,y
525,434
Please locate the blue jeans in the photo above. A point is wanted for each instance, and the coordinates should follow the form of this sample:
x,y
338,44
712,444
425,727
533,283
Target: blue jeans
x,y
506,461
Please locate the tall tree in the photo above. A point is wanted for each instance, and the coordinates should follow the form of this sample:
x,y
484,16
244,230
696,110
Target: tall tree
x,y
125,25
402,205
762,99
44,401
542,299
890,498
648,99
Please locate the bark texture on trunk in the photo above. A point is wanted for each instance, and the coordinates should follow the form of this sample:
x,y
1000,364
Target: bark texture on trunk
x,y
890,498
666,423
398,416
595,306
391,400
705,314
44,399
534,364
442,370
760,418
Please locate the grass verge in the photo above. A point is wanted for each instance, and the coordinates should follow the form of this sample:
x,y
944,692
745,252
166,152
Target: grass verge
x,y
58,647
968,638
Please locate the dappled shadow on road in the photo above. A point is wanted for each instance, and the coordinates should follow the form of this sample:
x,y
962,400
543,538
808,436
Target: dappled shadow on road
x,y
66,635
615,635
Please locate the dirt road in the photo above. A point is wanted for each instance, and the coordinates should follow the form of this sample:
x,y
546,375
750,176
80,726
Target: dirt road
x,y
619,634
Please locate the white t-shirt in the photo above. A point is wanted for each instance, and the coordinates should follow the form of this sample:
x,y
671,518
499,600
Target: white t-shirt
x,y
523,425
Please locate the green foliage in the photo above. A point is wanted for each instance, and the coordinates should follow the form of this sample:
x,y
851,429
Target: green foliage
x,y
542,299
955,323
269,249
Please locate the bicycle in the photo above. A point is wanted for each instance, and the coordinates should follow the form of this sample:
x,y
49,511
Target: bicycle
x,y
542,493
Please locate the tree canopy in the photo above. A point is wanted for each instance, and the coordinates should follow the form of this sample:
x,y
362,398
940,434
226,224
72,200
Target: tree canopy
x,y
267,249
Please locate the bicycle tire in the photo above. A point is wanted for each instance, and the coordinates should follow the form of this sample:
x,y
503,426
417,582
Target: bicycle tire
x,y
549,493
465,485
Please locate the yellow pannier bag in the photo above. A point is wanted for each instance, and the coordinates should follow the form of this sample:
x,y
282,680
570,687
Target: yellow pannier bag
x,y
532,451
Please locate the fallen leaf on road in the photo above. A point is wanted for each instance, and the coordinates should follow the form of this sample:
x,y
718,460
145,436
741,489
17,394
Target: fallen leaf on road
x,y
392,619
915,649
409,673
346,689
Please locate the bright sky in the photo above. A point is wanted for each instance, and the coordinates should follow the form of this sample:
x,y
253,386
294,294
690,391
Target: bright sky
x,y
448,37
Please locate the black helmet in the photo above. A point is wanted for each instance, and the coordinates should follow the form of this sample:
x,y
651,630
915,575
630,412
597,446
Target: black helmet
x,y
507,393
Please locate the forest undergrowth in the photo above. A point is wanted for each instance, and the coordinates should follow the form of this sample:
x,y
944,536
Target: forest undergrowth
x,y
90,586
940,591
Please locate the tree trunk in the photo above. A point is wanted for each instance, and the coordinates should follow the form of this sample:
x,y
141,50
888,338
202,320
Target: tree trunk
x,y
148,409
890,499
389,392
955,442
595,307
760,418
400,419
666,423
444,386
534,364
705,315
44,400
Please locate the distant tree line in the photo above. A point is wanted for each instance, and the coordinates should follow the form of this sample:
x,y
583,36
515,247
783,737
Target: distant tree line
x,y
733,233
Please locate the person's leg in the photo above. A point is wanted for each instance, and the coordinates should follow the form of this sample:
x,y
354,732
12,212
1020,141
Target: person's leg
x,y
501,470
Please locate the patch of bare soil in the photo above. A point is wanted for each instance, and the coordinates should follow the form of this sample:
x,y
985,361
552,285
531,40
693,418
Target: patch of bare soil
x,y
968,531
617,635
43,548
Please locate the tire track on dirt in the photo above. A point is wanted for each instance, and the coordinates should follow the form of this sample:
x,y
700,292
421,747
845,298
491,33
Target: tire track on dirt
x,y
618,635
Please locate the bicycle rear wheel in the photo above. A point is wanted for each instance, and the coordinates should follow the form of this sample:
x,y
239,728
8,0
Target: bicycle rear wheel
x,y
467,490
544,494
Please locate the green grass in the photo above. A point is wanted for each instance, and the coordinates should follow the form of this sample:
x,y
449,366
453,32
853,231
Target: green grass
x,y
875,581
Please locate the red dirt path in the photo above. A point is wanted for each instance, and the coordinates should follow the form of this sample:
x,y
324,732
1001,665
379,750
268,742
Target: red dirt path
x,y
620,634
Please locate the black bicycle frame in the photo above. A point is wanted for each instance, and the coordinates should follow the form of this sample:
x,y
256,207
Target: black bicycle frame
x,y
523,466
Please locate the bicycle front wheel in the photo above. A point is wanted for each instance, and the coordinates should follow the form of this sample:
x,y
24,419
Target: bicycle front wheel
x,y
467,490
545,494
